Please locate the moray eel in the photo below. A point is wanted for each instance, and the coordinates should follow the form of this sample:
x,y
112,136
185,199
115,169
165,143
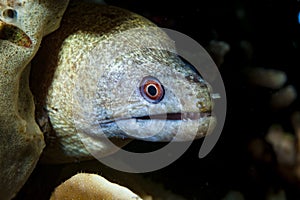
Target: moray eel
x,y
108,72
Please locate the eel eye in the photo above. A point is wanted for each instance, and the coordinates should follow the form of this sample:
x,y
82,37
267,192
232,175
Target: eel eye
x,y
151,89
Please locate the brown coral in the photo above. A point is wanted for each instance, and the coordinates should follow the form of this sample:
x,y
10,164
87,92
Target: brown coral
x,y
22,26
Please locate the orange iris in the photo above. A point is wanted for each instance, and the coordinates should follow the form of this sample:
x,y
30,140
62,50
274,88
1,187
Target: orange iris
x,y
152,90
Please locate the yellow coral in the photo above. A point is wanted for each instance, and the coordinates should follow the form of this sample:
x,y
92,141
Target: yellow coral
x,y
84,186
21,141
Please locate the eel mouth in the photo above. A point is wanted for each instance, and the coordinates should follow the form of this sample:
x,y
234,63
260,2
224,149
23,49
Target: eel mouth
x,y
164,116
159,127
175,116
14,35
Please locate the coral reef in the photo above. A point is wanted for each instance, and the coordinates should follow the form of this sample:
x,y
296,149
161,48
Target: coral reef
x,y
91,187
22,26
286,148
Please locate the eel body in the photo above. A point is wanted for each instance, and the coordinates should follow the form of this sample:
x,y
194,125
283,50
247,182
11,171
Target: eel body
x,y
110,73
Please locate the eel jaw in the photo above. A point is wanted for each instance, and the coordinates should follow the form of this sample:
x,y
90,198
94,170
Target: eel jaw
x,y
15,35
175,116
161,127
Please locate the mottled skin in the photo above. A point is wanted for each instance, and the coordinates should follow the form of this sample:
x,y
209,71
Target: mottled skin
x,y
86,76
21,141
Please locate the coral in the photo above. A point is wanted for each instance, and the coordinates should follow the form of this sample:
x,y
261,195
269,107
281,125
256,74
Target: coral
x,y
91,186
275,80
269,78
22,26
284,97
218,50
286,147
